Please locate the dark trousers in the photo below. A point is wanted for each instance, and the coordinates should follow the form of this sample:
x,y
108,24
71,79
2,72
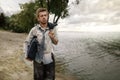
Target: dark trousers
x,y
44,71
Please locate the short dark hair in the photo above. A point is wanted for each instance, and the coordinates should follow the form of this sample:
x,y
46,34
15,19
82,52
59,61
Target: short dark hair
x,y
40,10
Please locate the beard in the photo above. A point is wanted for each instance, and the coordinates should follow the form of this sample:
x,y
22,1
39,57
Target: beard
x,y
44,21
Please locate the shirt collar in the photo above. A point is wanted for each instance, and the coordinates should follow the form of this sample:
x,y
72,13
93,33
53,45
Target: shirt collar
x,y
39,27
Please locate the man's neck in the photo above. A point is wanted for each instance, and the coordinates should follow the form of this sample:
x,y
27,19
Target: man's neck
x,y
43,25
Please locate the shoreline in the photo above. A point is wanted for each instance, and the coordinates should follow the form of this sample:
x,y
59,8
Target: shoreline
x,y
12,67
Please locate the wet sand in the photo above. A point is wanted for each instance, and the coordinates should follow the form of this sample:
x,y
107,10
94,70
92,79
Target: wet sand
x,y
12,67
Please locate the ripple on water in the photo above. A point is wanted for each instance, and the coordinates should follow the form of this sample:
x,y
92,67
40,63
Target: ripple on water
x,y
89,56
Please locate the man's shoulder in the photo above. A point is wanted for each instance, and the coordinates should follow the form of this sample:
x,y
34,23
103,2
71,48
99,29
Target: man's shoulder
x,y
34,28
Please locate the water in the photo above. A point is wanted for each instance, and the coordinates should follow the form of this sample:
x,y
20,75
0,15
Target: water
x,y
89,56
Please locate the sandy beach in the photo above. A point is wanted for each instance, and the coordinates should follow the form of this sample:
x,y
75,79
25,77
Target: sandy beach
x,y
12,66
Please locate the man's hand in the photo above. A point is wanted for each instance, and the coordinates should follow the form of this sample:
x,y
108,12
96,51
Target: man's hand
x,y
28,59
52,36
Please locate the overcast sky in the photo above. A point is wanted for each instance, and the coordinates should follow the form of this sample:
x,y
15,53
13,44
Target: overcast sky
x,y
74,21
11,5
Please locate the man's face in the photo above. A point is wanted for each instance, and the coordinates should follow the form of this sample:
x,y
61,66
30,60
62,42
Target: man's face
x,y
43,17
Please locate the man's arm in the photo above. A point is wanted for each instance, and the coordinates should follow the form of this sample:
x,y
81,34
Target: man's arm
x,y
53,35
27,42
54,40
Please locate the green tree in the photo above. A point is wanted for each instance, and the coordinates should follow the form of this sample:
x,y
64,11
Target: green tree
x,y
56,7
25,20
59,8
2,20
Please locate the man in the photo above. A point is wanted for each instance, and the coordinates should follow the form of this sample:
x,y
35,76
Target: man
x,y
44,64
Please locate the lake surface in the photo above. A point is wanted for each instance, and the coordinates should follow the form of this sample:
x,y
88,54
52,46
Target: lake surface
x,y
89,55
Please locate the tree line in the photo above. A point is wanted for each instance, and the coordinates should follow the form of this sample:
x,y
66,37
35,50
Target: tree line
x,y
25,19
